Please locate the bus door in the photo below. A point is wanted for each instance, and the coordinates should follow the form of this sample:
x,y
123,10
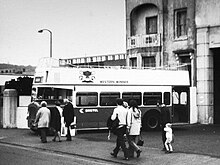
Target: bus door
x,y
180,111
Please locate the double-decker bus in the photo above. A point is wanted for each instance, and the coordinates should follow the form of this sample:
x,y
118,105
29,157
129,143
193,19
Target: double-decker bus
x,y
93,91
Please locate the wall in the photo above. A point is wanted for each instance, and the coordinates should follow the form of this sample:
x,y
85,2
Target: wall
x,y
208,31
22,112
9,108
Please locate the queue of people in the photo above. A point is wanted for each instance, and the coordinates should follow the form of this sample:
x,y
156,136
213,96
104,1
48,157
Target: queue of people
x,y
128,129
51,119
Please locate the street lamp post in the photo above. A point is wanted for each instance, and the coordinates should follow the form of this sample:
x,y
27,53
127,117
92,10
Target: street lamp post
x,y
41,31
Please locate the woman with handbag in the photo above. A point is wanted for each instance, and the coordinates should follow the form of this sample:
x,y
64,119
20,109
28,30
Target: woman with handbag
x,y
133,128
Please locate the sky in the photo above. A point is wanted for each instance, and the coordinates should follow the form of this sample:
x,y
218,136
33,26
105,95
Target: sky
x,y
79,28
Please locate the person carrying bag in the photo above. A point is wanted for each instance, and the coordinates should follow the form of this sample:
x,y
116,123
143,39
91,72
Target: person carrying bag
x,y
133,128
120,112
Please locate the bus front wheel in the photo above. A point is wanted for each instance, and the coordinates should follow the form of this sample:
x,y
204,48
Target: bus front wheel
x,y
151,121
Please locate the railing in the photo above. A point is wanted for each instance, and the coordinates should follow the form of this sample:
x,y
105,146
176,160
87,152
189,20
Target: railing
x,y
54,63
100,58
138,41
176,67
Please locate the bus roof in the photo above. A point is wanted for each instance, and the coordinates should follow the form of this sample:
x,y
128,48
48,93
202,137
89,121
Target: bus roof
x,y
110,76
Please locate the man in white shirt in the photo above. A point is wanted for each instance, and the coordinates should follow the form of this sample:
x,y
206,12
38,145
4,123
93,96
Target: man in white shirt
x,y
121,112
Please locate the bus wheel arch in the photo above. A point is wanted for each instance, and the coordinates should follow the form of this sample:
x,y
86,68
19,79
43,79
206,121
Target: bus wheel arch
x,y
151,120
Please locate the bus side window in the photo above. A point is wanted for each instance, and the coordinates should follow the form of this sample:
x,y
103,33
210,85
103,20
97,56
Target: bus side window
x,y
86,99
127,96
166,98
152,98
108,98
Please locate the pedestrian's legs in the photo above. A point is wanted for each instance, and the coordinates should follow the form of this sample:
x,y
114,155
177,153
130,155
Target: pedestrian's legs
x,y
134,146
163,136
170,146
132,143
55,135
68,136
120,142
43,132
59,136
130,151
117,148
166,145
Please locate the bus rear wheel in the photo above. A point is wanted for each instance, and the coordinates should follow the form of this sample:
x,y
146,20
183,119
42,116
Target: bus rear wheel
x,y
151,121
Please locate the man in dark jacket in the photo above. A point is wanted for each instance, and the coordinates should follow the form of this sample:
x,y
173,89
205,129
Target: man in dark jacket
x,y
68,114
165,118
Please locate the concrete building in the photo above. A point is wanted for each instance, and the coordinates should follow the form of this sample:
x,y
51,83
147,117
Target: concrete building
x,y
173,32
208,50
161,34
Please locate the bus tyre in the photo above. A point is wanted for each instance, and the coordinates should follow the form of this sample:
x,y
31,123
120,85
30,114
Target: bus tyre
x,y
151,121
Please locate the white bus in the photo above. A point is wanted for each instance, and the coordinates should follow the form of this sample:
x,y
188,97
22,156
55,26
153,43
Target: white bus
x,y
93,91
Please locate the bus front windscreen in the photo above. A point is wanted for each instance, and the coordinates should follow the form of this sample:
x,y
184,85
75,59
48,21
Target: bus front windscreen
x,y
52,94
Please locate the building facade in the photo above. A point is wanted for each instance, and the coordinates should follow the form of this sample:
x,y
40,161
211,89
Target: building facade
x,y
168,33
208,57
160,33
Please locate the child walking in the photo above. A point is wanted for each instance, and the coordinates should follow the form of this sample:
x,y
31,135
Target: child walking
x,y
169,138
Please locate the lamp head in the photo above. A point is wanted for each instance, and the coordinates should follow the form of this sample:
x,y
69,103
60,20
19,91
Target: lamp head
x,y
40,31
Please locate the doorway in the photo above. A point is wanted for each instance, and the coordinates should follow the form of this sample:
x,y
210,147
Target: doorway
x,y
180,111
216,72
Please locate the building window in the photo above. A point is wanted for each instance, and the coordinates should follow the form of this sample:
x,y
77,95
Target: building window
x,y
181,17
133,62
184,59
151,25
148,61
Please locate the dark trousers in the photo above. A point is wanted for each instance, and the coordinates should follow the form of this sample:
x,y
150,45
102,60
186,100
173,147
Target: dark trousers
x,y
120,142
43,134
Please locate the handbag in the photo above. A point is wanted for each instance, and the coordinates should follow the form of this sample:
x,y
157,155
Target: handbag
x,y
113,124
72,125
140,141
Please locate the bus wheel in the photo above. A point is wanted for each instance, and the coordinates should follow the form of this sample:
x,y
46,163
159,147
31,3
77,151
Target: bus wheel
x,y
151,121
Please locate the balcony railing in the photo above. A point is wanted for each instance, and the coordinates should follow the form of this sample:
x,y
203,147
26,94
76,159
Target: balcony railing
x,y
139,41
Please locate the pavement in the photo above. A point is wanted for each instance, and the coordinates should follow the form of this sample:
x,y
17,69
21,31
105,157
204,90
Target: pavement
x,y
88,145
